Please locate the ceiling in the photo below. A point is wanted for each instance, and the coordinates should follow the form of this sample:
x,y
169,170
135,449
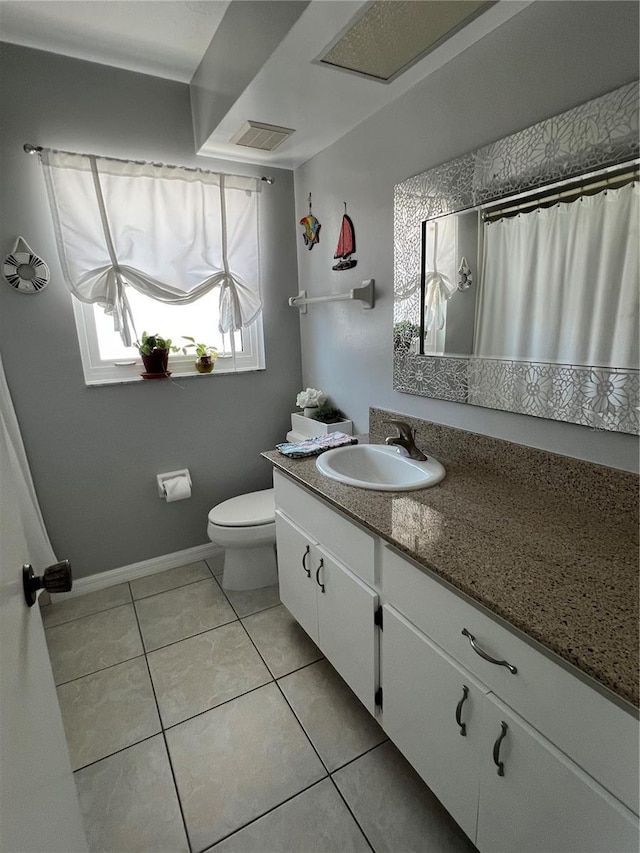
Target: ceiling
x,y
277,79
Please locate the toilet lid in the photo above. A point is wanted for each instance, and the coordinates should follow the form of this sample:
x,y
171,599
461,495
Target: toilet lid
x,y
245,510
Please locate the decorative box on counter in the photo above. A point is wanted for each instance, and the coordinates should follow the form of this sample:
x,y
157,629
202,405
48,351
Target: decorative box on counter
x,y
302,427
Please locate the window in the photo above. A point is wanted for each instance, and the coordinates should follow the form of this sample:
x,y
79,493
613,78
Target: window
x,y
168,250
106,360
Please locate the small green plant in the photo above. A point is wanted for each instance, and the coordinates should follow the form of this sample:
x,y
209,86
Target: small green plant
x,y
328,415
148,343
403,334
201,349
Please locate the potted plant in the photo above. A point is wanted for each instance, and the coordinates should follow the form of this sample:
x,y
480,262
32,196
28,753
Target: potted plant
x,y
404,333
328,415
206,355
154,350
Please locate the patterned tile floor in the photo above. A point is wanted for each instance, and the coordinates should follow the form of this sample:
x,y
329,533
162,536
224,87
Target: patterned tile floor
x,y
198,720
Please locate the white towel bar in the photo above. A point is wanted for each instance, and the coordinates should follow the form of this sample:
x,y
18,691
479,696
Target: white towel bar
x,y
364,294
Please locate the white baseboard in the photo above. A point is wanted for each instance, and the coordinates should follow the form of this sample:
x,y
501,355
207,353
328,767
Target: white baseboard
x,y
92,583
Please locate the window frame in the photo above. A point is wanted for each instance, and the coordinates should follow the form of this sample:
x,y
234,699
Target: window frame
x,y
99,371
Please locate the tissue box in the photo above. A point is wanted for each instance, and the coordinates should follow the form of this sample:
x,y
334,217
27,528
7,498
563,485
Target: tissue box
x,y
310,427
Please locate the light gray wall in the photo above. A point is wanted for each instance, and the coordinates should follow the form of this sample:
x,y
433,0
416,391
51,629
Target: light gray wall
x,y
548,58
94,452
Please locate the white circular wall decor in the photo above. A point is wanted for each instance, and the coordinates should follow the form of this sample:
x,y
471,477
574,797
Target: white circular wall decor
x,y
24,270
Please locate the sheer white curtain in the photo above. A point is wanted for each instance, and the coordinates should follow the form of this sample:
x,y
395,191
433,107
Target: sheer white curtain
x,y
20,488
440,270
171,233
561,284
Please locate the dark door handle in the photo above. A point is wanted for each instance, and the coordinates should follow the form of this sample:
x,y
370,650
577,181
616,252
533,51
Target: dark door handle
x,y
56,578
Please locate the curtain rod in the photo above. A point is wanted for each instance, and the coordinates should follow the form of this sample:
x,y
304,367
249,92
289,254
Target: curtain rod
x,y
575,187
37,149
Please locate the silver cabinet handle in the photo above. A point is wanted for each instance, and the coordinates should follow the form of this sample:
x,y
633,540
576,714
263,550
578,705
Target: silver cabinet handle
x,y
321,585
496,749
476,648
304,557
463,726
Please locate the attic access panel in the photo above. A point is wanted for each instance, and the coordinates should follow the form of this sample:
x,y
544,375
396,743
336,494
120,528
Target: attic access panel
x,y
391,35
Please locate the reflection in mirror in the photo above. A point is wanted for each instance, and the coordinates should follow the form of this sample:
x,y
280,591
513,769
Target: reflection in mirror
x,y
527,299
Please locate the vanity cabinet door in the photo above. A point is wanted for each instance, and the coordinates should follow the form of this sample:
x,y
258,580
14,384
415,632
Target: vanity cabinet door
x,y
428,702
297,564
347,635
544,803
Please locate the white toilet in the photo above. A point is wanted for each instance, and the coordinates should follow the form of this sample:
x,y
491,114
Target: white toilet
x,y
246,528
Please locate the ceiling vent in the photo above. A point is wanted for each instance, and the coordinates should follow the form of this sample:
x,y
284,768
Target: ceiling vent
x,y
266,137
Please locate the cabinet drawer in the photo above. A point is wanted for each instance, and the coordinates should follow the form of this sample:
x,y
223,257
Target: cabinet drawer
x,y
598,735
346,540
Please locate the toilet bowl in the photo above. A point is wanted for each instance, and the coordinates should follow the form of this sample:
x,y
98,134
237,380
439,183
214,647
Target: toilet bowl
x,y
245,527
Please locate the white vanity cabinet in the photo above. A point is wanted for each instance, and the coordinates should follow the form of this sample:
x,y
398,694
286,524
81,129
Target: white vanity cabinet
x,y
432,712
334,606
505,784
525,755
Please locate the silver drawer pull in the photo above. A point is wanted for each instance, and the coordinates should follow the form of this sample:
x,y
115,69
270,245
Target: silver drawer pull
x,y
472,640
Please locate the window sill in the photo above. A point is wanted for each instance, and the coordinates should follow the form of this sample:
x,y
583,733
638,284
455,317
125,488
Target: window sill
x,y
175,375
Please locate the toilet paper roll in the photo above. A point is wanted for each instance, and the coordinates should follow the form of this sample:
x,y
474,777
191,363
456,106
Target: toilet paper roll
x,y
177,489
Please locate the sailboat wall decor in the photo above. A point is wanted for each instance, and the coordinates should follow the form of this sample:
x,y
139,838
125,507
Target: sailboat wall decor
x,y
346,244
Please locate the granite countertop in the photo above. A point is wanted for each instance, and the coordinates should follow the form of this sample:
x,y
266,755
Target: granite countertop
x,y
564,575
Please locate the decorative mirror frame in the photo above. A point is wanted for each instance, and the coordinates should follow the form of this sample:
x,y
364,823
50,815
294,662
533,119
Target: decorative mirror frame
x,y
601,133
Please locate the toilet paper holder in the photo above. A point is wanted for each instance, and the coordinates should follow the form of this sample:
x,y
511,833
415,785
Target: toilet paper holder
x,y
169,475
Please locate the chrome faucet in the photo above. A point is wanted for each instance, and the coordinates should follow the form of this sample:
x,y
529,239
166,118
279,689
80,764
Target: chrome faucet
x,y
405,439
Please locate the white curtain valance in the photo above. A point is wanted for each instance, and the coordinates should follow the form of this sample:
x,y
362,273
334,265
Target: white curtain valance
x,y
561,284
171,233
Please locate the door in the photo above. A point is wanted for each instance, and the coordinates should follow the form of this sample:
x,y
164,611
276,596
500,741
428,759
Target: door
x,y
432,711
543,802
39,811
297,563
347,635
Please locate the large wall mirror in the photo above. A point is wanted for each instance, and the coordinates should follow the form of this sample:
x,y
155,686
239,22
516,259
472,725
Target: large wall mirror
x,y
516,273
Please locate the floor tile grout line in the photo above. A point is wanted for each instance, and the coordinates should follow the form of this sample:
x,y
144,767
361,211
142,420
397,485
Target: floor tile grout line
x,y
118,751
84,615
215,707
166,745
330,772
169,589
102,669
349,809
275,677
272,680
259,817
182,639
231,604
48,628
132,598
306,734
362,754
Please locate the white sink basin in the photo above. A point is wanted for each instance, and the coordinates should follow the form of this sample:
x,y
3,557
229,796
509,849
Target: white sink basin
x,y
376,466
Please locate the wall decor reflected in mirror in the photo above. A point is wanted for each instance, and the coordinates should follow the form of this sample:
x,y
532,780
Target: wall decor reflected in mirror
x,y
516,271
